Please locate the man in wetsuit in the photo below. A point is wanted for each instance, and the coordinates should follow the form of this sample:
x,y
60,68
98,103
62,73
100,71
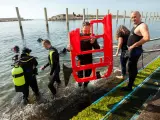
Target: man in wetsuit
x,y
53,58
86,45
138,36
29,64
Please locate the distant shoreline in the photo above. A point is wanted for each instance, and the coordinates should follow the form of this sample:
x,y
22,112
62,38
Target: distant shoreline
x,y
62,17
13,19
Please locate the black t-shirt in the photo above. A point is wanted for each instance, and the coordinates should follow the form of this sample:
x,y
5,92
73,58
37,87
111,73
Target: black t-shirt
x,y
125,39
133,38
85,45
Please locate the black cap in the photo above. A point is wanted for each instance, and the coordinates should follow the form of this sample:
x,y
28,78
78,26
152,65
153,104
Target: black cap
x,y
86,23
26,50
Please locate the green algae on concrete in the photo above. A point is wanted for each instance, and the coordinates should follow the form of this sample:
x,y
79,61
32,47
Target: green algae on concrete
x,y
99,110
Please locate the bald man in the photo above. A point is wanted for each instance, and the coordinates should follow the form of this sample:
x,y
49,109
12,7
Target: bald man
x,y
138,36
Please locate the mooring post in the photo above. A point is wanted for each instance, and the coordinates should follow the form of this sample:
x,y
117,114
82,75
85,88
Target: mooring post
x,y
97,13
87,14
83,15
20,24
117,17
108,11
124,17
157,16
67,22
46,18
130,21
146,16
154,16
150,17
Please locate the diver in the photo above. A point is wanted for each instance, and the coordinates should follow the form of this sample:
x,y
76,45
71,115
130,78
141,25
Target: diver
x,y
86,58
15,49
29,64
19,79
18,74
53,59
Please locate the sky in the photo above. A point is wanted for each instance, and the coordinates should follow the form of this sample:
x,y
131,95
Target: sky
x,y
34,9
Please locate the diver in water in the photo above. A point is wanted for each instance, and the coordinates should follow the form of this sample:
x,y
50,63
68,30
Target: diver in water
x,y
39,40
15,49
64,51
53,58
86,45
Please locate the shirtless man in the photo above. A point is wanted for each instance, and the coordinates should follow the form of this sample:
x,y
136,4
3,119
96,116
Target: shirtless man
x,y
138,36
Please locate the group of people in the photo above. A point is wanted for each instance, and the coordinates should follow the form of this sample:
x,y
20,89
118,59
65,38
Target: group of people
x,y
130,43
25,70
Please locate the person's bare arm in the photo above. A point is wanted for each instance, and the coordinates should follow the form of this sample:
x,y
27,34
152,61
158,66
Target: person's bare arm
x,y
120,42
146,37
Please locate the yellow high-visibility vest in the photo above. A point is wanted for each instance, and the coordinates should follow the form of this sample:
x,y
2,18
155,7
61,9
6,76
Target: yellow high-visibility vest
x,y
50,56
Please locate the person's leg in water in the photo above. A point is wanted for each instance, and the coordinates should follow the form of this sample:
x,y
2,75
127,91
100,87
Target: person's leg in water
x,y
87,74
51,83
80,75
33,85
25,92
57,77
132,69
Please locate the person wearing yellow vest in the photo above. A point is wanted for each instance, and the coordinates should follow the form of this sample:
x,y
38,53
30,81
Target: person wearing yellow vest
x,y
53,58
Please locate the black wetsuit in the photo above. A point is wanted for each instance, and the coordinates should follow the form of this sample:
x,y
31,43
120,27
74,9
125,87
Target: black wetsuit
x,y
124,51
55,69
86,58
29,63
134,55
